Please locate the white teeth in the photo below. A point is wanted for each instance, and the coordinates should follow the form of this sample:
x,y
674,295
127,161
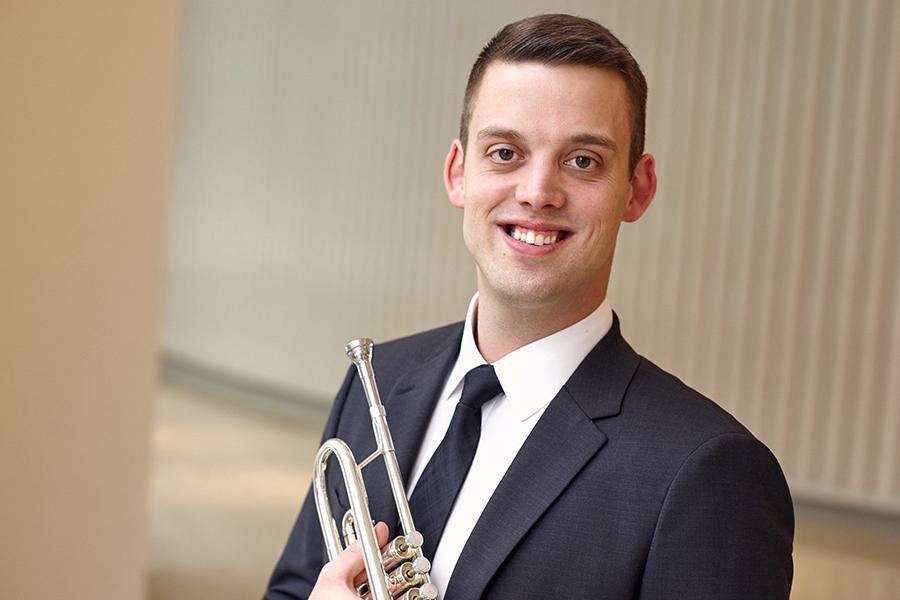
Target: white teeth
x,y
532,238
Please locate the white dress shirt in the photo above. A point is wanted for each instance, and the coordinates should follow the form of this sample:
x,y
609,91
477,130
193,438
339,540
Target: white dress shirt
x,y
531,376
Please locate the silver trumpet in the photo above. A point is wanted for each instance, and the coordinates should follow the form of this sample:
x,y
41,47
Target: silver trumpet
x,y
399,570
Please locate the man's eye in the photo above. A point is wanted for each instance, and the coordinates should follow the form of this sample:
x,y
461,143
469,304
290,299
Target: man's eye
x,y
503,154
582,162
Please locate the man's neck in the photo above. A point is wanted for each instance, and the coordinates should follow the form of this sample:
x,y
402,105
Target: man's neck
x,y
501,328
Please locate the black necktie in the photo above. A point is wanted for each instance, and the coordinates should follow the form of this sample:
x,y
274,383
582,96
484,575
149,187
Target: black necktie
x,y
439,484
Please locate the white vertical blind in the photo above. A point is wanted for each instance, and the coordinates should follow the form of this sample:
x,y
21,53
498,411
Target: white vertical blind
x,y
308,205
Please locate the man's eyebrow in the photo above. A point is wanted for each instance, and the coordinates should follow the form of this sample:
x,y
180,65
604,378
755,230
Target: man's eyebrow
x,y
594,140
580,138
499,132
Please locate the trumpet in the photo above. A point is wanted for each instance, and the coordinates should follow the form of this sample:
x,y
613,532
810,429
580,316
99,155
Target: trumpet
x,y
399,570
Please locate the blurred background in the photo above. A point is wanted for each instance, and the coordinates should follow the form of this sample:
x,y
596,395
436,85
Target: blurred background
x,y
201,202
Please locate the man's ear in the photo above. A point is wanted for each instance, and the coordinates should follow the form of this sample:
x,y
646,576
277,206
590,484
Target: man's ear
x,y
453,175
643,188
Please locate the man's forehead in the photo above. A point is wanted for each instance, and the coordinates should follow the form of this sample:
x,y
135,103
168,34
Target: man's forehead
x,y
538,69
590,102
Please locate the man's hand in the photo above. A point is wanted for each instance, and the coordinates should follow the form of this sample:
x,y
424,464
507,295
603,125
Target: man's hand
x,y
336,579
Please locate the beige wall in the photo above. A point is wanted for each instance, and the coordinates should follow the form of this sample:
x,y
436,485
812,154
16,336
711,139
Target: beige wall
x,y
85,133
308,204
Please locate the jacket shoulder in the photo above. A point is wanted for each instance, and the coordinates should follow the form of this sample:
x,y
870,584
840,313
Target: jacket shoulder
x,y
400,355
660,397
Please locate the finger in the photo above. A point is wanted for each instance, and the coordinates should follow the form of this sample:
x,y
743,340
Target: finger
x,y
347,565
381,534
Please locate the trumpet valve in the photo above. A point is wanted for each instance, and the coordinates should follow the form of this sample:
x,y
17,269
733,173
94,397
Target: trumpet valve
x,y
396,552
414,539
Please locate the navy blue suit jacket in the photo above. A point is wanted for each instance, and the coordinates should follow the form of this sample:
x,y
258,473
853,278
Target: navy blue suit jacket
x,y
631,486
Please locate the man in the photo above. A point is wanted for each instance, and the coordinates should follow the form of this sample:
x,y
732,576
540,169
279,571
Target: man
x,y
595,474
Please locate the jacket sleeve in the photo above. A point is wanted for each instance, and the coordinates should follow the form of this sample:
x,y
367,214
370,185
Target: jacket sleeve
x,y
298,568
726,527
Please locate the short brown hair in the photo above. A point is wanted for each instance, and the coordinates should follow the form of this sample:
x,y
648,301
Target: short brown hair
x,y
563,40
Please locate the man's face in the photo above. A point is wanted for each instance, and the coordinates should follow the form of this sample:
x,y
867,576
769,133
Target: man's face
x,y
545,183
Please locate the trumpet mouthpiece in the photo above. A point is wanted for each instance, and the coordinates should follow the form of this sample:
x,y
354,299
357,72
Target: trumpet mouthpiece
x,y
359,350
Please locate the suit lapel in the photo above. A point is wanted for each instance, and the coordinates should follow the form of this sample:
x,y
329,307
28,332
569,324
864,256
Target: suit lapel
x,y
408,407
562,442
533,481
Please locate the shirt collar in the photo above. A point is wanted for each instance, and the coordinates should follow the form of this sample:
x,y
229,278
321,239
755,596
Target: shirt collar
x,y
532,375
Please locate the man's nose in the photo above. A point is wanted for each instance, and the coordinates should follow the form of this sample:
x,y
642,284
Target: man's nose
x,y
541,186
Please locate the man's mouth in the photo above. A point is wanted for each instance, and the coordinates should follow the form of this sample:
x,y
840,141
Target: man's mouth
x,y
534,237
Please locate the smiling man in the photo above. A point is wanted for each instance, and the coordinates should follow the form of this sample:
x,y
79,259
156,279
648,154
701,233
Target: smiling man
x,y
544,182
544,457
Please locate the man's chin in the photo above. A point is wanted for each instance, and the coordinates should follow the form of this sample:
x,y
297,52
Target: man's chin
x,y
527,295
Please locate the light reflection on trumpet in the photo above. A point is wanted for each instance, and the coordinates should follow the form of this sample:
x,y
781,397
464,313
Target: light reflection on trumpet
x,y
400,569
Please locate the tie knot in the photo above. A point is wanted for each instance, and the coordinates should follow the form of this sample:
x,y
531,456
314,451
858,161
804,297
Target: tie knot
x,y
481,384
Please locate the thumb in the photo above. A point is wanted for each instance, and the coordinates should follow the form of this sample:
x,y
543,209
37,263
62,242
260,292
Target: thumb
x,y
381,533
349,563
